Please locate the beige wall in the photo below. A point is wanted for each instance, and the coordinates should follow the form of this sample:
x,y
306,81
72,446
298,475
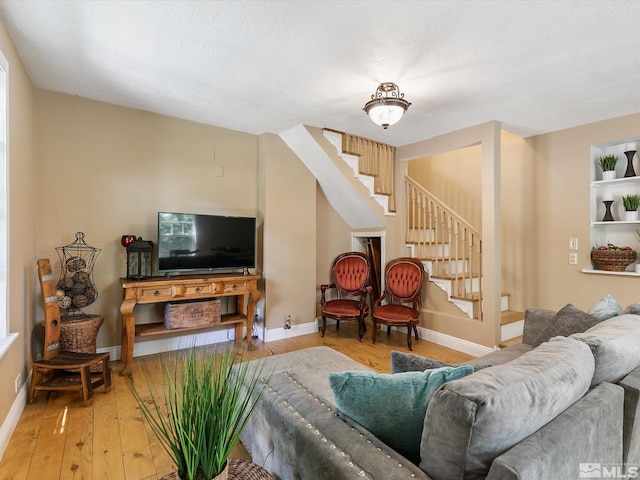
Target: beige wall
x,y
288,207
453,177
333,236
106,170
560,205
22,223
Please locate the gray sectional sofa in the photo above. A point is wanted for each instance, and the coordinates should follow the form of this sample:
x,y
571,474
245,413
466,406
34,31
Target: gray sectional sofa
x,y
554,407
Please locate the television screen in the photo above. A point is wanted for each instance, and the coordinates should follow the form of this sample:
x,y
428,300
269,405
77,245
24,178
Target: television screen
x,y
189,241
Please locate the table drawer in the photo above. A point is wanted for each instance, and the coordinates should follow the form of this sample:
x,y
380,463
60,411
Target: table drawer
x,y
203,289
155,293
230,287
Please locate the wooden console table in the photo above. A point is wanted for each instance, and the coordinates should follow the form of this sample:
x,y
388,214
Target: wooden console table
x,y
186,287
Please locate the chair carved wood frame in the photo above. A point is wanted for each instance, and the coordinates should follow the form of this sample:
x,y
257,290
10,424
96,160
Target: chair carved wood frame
x,y
402,297
59,370
350,272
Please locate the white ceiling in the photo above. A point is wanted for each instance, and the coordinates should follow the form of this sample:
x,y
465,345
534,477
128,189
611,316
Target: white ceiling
x,y
266,66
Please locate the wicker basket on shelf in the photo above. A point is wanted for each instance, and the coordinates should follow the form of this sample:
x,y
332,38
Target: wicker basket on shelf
x,y
613,259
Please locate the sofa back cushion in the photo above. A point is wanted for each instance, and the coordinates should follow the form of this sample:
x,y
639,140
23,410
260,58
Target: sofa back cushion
x,y
471,421
615,344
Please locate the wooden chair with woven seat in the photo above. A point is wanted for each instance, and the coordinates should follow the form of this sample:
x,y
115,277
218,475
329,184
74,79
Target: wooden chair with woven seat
x,y
402,296
59,370
350,272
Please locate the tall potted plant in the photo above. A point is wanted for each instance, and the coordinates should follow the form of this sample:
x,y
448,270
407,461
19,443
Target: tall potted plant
x,y
207,400
631,204
608,165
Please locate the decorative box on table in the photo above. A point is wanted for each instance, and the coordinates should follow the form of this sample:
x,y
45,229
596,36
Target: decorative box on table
x,y
192,314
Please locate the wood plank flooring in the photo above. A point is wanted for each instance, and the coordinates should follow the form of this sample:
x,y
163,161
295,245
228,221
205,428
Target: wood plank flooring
x,y
60,438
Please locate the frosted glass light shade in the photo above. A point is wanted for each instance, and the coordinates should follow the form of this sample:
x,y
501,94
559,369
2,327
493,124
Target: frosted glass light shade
x,y
386,115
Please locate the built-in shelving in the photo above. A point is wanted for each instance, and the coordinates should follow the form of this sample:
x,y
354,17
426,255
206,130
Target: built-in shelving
x,y
619,232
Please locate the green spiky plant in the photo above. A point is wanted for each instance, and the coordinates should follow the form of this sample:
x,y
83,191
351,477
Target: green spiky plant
x,y
206,403
631,202
607,162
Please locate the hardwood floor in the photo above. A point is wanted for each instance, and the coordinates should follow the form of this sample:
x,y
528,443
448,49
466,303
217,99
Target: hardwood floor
x,y
60,438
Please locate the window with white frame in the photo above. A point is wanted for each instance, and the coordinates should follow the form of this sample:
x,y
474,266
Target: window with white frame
x,y
5,336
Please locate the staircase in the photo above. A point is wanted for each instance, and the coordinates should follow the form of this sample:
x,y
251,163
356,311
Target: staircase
x,y
372,163
448,246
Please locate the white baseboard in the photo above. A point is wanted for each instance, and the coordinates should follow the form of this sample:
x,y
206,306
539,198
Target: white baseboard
x,y
273,334
175,342
13,417
455,343
270,335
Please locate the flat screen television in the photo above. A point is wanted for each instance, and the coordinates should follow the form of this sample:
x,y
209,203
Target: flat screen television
x,y
191,242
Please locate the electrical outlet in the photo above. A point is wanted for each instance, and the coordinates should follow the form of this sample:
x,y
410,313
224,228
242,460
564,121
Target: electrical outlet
x,y
573,244
287,322
18,383
573,259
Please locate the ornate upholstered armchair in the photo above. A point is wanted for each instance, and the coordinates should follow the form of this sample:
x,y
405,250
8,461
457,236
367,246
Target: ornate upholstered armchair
x,y
402,297
350,272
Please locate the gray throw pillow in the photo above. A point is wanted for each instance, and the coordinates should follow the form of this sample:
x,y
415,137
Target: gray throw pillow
x,y
568,320
411,362
633,309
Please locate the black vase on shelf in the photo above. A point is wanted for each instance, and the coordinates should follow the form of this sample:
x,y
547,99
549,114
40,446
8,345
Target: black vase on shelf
x,y
630,171
608,217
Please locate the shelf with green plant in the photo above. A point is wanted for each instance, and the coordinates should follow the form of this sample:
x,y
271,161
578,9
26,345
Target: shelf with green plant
x,y
607,164
609,156
631,203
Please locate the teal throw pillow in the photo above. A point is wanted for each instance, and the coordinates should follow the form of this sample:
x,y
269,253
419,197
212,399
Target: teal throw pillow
x,y
606,308
392,407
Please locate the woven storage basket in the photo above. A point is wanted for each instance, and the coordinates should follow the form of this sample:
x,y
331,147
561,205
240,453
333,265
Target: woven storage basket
x,y
613,260
238,470
78,333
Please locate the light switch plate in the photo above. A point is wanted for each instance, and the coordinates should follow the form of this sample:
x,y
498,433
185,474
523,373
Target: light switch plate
x,y
573,244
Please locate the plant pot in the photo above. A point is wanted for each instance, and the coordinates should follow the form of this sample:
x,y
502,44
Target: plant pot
x,y
609,175
631,216
224,475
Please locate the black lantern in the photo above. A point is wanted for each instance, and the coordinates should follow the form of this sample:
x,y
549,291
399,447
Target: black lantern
x,y
139,259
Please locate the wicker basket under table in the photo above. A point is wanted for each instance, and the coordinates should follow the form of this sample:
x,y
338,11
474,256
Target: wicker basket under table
x,y
238,470
78,333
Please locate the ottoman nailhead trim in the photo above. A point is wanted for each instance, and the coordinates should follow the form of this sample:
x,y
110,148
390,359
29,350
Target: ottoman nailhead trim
x,y
309,425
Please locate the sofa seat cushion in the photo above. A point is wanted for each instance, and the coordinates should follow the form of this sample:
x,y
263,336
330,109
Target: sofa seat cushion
x,y
615,344
392,407
471,421
500,356
411,362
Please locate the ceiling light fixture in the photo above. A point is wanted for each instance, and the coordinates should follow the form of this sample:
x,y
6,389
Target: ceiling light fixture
x,y
387,105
